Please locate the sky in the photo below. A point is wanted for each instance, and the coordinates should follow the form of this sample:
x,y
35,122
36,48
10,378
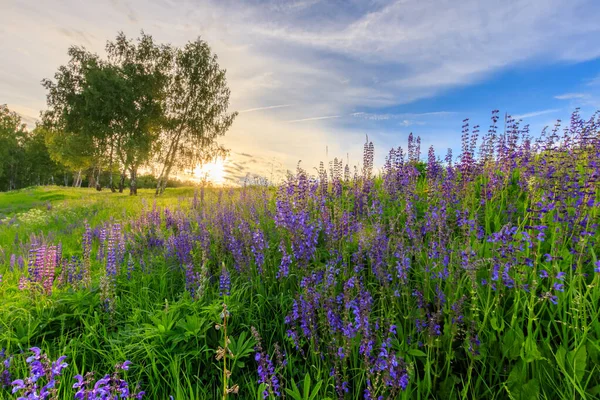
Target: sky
x,y
312,79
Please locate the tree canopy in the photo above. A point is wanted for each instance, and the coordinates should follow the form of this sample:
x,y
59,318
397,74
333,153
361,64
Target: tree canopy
x,y
144,103
24,157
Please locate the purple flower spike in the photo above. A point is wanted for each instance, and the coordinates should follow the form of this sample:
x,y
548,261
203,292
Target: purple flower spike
x,y
59,365
37,352
19,384
79,382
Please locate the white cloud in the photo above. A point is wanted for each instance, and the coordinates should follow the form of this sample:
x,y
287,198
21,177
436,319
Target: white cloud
x,y
314,118
572,96
404,116
535,113
264,108
326,60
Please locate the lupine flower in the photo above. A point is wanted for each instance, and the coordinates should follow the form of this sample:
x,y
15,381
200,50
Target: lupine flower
x,y
286,261
224,282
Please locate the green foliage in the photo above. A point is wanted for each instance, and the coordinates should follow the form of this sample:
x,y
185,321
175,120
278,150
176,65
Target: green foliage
x,y
529,347
144,102
309,391
24,156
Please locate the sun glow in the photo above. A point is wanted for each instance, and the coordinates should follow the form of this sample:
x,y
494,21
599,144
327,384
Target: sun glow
x,y
213,172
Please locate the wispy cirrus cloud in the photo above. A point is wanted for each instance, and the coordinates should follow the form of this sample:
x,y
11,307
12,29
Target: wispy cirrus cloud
x,y
572,96
536,113
264,108
402,116
314,118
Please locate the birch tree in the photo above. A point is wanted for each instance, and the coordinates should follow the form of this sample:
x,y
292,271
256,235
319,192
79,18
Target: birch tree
x,y
196,111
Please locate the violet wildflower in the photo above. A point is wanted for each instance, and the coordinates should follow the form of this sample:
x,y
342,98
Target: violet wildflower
x,y
286,261
41,368
559,287
258,247
224,282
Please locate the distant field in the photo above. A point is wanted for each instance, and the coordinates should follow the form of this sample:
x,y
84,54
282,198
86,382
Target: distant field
x,y
61,212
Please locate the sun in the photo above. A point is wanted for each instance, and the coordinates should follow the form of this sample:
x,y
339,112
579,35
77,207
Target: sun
x,y
213,171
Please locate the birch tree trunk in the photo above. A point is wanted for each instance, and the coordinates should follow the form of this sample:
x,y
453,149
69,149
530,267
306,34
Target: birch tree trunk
x,y
122,181
133,181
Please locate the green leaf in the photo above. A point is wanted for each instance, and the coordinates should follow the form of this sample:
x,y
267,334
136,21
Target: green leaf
x,y
511,344
497,325
261,389
295,393
577,359
530,390
316,390
306,386
416,353
530,351
516,377
595,390
560,357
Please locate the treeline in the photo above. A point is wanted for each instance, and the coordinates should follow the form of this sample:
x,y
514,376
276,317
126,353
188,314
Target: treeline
x,y
24,157
143,104
25,161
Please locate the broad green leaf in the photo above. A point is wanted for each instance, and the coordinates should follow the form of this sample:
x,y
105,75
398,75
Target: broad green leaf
x,y
516,378
530,351
306,386
560,356
577,359
315,390
530,390
511,344
416,353
497,324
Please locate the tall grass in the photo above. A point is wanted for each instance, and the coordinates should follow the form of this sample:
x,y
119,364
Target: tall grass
x,y
468,278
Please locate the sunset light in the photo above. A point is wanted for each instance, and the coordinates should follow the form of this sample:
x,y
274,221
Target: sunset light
x,y
212,172
254,199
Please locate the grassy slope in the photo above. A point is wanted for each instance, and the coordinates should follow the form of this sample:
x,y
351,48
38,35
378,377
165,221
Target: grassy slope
x,y
61,212
171,341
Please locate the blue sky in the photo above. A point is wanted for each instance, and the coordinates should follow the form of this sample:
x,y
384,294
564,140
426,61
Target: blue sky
x,y
311,78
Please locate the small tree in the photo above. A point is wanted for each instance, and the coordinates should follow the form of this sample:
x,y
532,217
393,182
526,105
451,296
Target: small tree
x,y
195,110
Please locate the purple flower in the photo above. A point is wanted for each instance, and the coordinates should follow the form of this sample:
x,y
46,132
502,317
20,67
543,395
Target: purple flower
x,y
79,382
224,282
18,384
559,287
36,354
59,365
125,365
286,261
